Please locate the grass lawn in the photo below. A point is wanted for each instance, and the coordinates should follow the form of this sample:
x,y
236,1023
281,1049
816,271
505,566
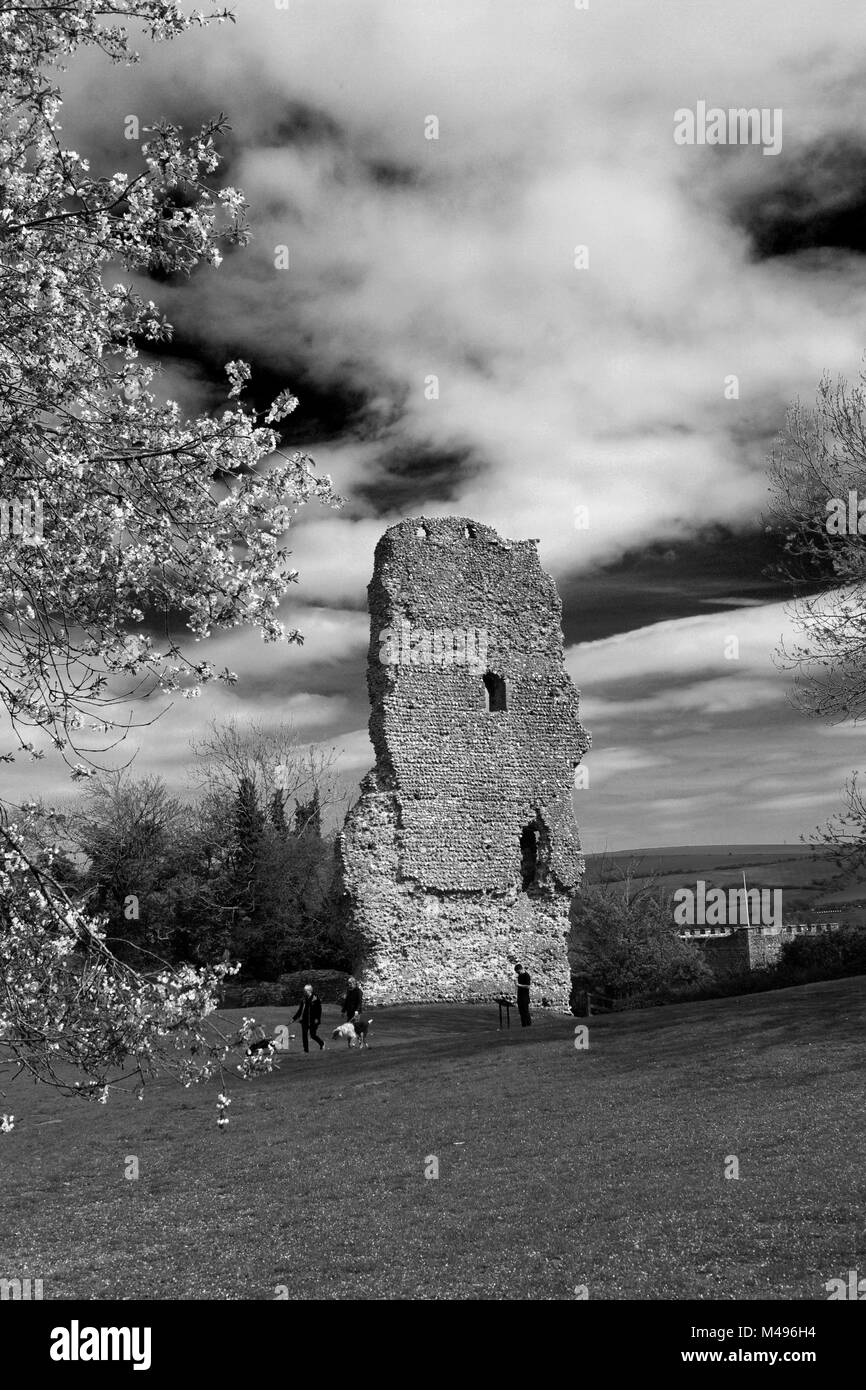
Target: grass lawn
x,y
557,1167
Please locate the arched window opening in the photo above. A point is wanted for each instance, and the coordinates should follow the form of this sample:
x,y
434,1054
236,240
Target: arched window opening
x,y
534,855
495,693
528,856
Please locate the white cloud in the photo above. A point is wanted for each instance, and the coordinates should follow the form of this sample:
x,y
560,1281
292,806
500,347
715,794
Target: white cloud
x,y
601,387
687,647
561,387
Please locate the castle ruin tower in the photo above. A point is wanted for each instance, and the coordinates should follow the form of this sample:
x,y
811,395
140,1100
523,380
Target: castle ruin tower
x,y
461,856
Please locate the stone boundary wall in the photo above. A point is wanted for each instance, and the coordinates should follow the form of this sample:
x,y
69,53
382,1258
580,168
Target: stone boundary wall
x,y
732,951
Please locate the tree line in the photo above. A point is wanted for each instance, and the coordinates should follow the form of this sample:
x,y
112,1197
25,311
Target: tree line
x,y
245,867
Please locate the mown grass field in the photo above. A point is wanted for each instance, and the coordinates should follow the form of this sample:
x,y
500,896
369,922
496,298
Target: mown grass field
x,y
557,1167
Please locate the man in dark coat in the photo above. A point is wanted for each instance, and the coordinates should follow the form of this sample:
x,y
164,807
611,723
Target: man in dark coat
x,y
353,1001
523,982
310,1014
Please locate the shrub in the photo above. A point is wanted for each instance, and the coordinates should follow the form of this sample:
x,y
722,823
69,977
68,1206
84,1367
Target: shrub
x,y
825,957
330,985
625,945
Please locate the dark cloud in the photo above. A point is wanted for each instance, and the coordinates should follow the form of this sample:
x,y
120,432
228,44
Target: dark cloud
x,y
405,470
815,202
665,581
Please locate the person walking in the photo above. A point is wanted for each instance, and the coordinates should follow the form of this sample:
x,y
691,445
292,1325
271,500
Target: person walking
x,y
310,1014
524,980
354,999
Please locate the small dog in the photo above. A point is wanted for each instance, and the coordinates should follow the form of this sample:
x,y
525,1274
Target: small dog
x,y
347,1031
362,1028
261,1043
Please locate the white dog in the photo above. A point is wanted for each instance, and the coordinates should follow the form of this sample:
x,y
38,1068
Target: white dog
x,y
347,1031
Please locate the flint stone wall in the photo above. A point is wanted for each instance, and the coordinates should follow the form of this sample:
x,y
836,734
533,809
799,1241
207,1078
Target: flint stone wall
x,y
431,853
753,948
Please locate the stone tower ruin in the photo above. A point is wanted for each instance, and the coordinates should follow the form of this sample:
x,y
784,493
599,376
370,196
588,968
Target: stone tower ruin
x,y
461,856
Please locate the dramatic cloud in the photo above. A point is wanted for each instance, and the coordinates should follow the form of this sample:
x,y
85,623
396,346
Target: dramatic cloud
x,y
696,740
599,381
413,258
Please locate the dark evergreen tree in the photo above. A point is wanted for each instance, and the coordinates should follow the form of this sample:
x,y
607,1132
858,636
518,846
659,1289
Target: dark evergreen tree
x,y
248,834
308,817
278,814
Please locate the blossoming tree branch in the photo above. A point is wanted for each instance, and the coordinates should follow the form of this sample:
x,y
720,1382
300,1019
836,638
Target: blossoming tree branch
x,y
144,511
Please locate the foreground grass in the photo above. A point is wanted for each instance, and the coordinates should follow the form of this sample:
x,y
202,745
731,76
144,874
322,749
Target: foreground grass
x,y
557,1167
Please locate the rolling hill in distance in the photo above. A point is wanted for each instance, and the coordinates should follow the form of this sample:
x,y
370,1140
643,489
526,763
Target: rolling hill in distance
x,y
807,874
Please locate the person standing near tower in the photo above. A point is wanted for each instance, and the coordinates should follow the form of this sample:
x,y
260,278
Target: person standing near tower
x,y
524,981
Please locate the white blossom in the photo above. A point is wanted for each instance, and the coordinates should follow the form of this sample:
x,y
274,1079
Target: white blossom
x,y
143,510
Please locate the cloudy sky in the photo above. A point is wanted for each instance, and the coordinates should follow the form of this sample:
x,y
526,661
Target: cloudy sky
x,y
600,386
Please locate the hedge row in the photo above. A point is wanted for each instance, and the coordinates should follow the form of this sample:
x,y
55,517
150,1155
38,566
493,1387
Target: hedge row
x,y
330,985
